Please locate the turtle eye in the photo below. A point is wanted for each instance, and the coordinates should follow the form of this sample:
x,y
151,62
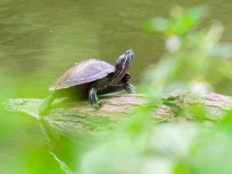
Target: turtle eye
x,y
127,52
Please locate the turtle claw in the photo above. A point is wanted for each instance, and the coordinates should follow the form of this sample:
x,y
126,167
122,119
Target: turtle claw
x,y
97,105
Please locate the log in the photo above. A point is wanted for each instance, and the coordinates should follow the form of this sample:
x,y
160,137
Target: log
x,y
79,118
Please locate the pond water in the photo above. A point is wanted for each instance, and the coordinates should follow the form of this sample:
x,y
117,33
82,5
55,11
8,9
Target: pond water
x,y
40,39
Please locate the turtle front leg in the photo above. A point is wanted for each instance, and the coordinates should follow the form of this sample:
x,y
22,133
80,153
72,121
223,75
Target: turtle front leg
x,y
93,98
130,88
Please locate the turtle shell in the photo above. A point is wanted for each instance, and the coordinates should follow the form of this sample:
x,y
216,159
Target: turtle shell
x,y
84,72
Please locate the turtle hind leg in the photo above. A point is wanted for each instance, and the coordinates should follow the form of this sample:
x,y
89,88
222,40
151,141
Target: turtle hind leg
x,y
93,98
44,107
130,88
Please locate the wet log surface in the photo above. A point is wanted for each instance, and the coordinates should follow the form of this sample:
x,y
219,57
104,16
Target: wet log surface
x,y
72,117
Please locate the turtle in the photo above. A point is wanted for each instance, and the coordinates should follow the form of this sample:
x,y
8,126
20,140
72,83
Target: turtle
x,y
91,78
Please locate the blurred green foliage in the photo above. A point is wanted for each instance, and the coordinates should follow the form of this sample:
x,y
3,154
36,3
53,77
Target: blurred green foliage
x,y
195,57
139,146
182,21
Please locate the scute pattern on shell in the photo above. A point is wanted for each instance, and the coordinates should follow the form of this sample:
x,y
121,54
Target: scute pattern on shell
x,y
83,72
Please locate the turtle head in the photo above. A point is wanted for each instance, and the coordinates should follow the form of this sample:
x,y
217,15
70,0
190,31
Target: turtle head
x,y
122,65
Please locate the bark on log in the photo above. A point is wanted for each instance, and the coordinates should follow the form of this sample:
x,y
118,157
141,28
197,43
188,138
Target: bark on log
x,y
77,118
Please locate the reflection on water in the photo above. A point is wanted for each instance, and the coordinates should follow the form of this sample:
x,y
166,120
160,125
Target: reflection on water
x,y
40,39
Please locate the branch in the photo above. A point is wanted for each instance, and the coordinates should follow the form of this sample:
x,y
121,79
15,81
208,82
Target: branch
x,y
78,118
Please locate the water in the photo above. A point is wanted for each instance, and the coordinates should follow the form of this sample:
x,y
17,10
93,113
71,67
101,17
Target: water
x,y
40,39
